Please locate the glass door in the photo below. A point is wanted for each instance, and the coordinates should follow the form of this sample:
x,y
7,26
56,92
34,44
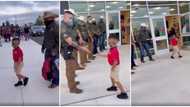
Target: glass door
x,y
113,24
159,32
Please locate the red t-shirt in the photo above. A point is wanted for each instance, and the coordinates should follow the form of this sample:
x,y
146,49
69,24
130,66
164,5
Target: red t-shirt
x,y
173,41
17,54
113,56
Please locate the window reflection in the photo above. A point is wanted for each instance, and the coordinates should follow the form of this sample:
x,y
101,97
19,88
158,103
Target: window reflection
x,y
113,21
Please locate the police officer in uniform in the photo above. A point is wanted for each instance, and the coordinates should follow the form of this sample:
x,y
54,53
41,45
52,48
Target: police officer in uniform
x,y
96,33
102,38
68,45
82,28
90,39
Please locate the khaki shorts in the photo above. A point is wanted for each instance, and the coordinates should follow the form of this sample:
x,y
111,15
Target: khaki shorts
x,y
115,73
18,67
175,49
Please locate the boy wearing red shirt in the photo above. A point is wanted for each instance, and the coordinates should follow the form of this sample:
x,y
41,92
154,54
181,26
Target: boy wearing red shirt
x,y
174,44
114,61
18,63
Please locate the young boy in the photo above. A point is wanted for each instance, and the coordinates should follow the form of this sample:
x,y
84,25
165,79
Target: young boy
x,y
174,43
18,63
114,61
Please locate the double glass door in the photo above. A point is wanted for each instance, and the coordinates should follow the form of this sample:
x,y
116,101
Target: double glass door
x,y
159,35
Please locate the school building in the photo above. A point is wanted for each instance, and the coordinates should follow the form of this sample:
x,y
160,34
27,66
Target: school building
x,y
115,13
161,17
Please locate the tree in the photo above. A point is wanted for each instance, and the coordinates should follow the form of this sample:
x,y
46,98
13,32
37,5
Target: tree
x,y
39,21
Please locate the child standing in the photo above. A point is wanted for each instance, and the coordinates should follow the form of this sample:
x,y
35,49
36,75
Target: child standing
x,y
18,63
174,43
114,61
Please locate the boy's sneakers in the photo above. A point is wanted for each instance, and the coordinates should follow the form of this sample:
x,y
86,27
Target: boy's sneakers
x,y
19,83
180,56
112,88
132,73
25,81
122,96
172,57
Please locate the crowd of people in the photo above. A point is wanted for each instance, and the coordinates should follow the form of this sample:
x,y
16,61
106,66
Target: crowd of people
x,y
86,36
8,31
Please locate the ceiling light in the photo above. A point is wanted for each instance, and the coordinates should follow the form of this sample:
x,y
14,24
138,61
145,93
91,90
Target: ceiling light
x,y
91,5
136,5
133,11
114,2
108,6
157,8
172,9
151,12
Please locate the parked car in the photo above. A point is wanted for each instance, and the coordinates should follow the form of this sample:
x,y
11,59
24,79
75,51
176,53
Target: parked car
x,y
37,30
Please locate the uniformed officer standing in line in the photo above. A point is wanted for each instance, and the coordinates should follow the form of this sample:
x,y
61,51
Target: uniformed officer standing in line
x,y
79,41
102,37
82,29
68,45
96,33
90,39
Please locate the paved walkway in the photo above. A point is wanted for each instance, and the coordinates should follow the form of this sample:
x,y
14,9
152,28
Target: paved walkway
x,y
36,93
94,81
163,82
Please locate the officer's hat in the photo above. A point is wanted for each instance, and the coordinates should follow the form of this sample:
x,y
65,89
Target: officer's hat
x,y
71,11
49,14
82,18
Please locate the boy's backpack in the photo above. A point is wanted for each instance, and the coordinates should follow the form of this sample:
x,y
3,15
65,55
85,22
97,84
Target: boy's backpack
x,y
46,69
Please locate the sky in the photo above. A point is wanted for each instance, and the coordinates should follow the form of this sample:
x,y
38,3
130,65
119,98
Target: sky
x,y
21,12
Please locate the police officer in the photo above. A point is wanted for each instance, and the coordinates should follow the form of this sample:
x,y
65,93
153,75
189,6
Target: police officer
x,y
102,38
82,30
51,43
91,29
68,45
96,34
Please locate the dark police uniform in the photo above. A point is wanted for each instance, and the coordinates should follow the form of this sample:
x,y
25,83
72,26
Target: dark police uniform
x,y
82,27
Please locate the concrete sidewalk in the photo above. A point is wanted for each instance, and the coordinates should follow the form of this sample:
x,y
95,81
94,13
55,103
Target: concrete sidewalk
x,y
162,82
94,81
36,93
